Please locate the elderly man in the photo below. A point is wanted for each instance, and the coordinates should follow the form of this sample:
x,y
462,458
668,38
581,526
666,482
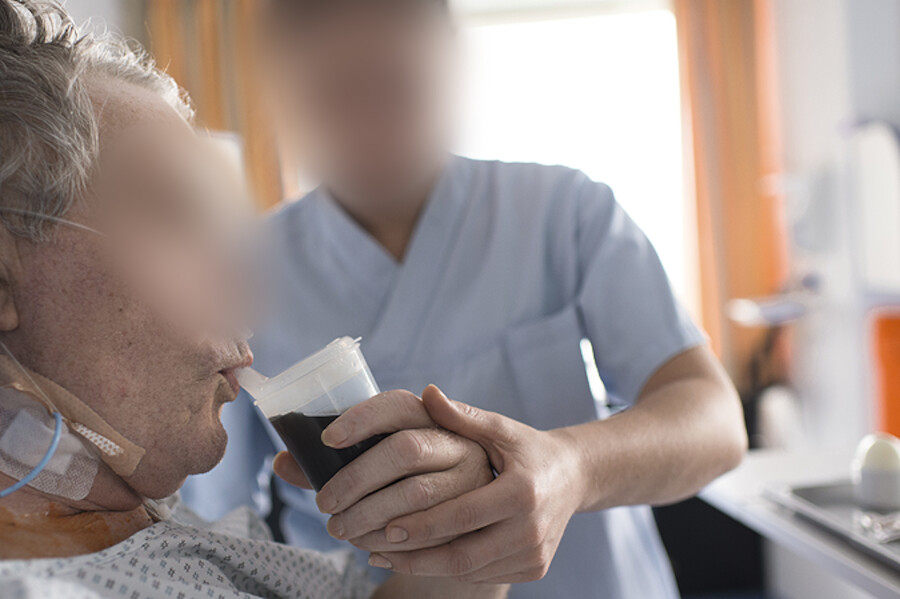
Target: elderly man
x,y
119,335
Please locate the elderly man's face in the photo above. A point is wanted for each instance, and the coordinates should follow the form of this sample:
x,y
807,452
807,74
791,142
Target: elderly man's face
x,y
143,324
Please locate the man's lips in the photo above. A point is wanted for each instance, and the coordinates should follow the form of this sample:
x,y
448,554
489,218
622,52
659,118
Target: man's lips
x,y
229,376
228,373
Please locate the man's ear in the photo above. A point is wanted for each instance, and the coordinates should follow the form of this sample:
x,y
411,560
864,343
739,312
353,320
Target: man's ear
x,y
9,265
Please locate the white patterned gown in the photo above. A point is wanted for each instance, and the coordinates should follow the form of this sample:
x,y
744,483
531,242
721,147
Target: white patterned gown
x,y
183,557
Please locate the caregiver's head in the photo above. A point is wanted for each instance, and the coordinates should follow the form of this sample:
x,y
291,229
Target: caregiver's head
x,y
133,318
366,85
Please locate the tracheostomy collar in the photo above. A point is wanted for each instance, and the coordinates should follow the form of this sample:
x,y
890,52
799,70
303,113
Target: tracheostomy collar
x,y
36,414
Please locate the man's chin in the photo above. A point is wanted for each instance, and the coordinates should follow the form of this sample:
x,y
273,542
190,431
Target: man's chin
x,y
225,394
162,473
212,454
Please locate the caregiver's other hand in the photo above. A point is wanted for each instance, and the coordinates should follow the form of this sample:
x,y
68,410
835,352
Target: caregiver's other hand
x,y
506,532
417,467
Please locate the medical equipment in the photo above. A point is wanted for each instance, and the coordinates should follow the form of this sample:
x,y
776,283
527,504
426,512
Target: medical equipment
x,y
79,442
21,439
114,449
51,451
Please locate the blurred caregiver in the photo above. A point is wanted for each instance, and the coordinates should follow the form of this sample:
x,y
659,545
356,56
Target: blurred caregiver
x,y
483,278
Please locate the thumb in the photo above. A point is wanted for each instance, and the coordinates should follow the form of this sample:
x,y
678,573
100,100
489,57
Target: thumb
x,y
490,430
288,470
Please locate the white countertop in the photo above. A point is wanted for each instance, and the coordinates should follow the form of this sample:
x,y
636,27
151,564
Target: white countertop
x,y
739,494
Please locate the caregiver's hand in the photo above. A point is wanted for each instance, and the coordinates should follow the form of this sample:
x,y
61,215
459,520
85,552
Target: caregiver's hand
x,y
506,532
417,467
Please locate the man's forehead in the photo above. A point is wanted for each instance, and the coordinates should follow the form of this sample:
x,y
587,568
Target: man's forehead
x,y
150,154
120,106
164,167
139,131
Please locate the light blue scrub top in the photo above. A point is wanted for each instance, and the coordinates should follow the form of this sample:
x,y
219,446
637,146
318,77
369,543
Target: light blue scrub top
x,y
510,267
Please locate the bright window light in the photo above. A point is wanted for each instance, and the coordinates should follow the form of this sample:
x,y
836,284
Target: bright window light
x,y
598,93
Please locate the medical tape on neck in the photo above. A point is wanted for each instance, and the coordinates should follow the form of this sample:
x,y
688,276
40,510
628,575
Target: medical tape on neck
x,y
26,431
120,454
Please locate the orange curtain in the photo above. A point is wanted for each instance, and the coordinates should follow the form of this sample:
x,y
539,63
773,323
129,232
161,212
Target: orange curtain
x,y
728,69
886,354
208,46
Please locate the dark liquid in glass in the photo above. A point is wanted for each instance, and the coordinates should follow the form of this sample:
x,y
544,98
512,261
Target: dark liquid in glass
x,y
303,437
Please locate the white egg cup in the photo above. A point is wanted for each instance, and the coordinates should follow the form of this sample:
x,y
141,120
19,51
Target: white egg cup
x,y
877,489
875,473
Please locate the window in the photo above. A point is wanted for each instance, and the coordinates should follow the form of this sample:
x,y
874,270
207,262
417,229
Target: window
x,y
600,93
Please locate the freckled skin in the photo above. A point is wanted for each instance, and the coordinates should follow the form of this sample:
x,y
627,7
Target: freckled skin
x,y
95,316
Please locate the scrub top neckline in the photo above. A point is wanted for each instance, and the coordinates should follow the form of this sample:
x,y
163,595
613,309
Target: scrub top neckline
x,y
348,232
362,252
411,297
419,272
367,261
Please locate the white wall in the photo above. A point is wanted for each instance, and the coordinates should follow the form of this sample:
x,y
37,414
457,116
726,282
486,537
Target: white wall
x,y
812,62
490,6
503,11
839,64
119,15
874,47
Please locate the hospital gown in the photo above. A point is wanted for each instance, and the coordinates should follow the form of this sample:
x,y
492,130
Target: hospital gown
x,y
186,558
510,267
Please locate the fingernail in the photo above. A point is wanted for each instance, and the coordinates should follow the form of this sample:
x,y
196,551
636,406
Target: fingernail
x,y
397,535
379,561
335,527
327,501
335,434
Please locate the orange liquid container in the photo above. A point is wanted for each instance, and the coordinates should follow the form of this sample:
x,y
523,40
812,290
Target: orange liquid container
x,y
886,353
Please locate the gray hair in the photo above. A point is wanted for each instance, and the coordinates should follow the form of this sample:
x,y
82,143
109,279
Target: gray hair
x,y
48,129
